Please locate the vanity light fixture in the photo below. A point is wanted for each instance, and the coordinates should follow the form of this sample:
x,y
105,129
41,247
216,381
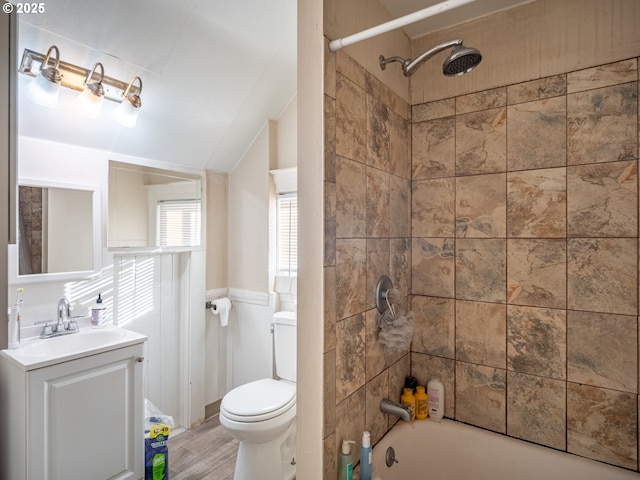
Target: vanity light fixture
x,y
89,102
44,89
94,84
127,112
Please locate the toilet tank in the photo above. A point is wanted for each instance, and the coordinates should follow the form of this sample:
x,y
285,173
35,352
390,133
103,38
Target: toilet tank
x,y
284,340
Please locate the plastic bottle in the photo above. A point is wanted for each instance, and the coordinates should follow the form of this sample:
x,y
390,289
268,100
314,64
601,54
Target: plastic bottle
x,y
98,314
407,399
422,403
345,461
365,457
14,321
435,390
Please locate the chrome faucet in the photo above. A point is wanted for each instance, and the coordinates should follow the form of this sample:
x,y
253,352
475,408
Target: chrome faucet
x,y
65,325
63,313
393,408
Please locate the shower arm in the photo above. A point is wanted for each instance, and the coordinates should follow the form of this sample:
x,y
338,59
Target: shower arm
x,y
412,65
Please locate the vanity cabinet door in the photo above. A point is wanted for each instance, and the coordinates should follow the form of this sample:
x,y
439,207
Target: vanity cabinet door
x,y
85,418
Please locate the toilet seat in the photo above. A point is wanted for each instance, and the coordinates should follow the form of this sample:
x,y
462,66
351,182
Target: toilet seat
x,y
258,401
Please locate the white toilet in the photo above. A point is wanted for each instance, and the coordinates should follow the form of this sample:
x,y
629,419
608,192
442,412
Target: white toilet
x,y
262,414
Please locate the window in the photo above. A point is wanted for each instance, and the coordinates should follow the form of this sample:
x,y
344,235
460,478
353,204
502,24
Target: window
x,y
178,223
287,234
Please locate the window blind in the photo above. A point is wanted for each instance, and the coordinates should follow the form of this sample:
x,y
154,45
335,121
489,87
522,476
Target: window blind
x,y
178,223
287,236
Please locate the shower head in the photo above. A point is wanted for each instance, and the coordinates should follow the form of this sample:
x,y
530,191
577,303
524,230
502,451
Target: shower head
x,y
461,60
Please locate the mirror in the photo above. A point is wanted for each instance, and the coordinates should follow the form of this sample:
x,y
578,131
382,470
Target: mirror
x,y
58,232
152,207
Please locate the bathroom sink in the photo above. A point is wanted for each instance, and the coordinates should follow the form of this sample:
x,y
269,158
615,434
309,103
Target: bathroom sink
x,y
37,353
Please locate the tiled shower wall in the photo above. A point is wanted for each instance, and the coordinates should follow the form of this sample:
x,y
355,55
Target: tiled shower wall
x,y
510,217
367,234
524,271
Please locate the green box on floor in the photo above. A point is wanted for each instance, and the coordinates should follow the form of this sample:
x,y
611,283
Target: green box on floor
x,y
156,453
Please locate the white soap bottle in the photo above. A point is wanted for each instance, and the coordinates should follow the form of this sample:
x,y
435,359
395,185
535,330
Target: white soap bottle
x,y
98,314
435,392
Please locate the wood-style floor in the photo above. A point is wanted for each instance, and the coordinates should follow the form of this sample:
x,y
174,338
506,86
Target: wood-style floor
x,y
206,452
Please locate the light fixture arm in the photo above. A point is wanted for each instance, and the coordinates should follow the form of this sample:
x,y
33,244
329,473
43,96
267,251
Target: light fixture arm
x,y
45,64
93,70
126,91
412,65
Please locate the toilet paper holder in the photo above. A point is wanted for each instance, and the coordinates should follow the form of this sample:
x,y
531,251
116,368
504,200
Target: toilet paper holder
x,y
210,305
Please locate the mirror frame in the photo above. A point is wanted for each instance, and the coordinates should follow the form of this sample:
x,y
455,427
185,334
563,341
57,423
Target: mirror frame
x,y
16,278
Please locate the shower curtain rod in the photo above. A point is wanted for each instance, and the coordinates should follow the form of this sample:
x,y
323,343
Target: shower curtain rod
x,y
339,43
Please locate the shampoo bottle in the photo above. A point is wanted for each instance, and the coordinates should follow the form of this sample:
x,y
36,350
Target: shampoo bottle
x,y
422,403
98,314
435,390
408,400
345,461
365,457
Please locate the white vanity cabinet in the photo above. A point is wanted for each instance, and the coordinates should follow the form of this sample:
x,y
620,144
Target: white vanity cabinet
x,y
80,419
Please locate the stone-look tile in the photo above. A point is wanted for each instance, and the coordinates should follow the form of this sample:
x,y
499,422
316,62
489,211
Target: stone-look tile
x,y
481,100
602,200
329,392
399,207
347,67
434,328
433,110
375,357
602,275
378,134
376,422
536,409
433,208
377,203
424,367
433,267
351,199
433,152
537,272
602,124
602,350
351,277
603,76
399,146
351,120
481,269
329,308
601,424
378,257
547,87
481,332
536,341
329,71
481,142
481,206
537,134
329,457
329,224
481,396
397,373
536,203
350,421
350,356
329,139
400,264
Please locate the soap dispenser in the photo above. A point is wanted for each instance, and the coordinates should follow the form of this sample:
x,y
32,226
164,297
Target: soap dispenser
x,y
98,313
345,461
365,457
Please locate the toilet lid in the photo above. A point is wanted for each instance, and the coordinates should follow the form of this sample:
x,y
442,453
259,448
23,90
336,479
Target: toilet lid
x,y
263,398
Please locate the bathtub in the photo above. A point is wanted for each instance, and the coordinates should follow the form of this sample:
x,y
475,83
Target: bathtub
x,y
449,450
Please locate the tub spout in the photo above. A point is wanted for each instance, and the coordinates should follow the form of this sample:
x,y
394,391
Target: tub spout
x,y
393,408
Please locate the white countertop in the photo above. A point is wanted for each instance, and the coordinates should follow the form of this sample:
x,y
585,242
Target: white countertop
x,y
35,352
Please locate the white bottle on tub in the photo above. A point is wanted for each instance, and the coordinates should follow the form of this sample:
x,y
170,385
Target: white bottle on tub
x,y
435,391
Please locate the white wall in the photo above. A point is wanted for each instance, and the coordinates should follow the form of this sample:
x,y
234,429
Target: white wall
x,y
287,136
